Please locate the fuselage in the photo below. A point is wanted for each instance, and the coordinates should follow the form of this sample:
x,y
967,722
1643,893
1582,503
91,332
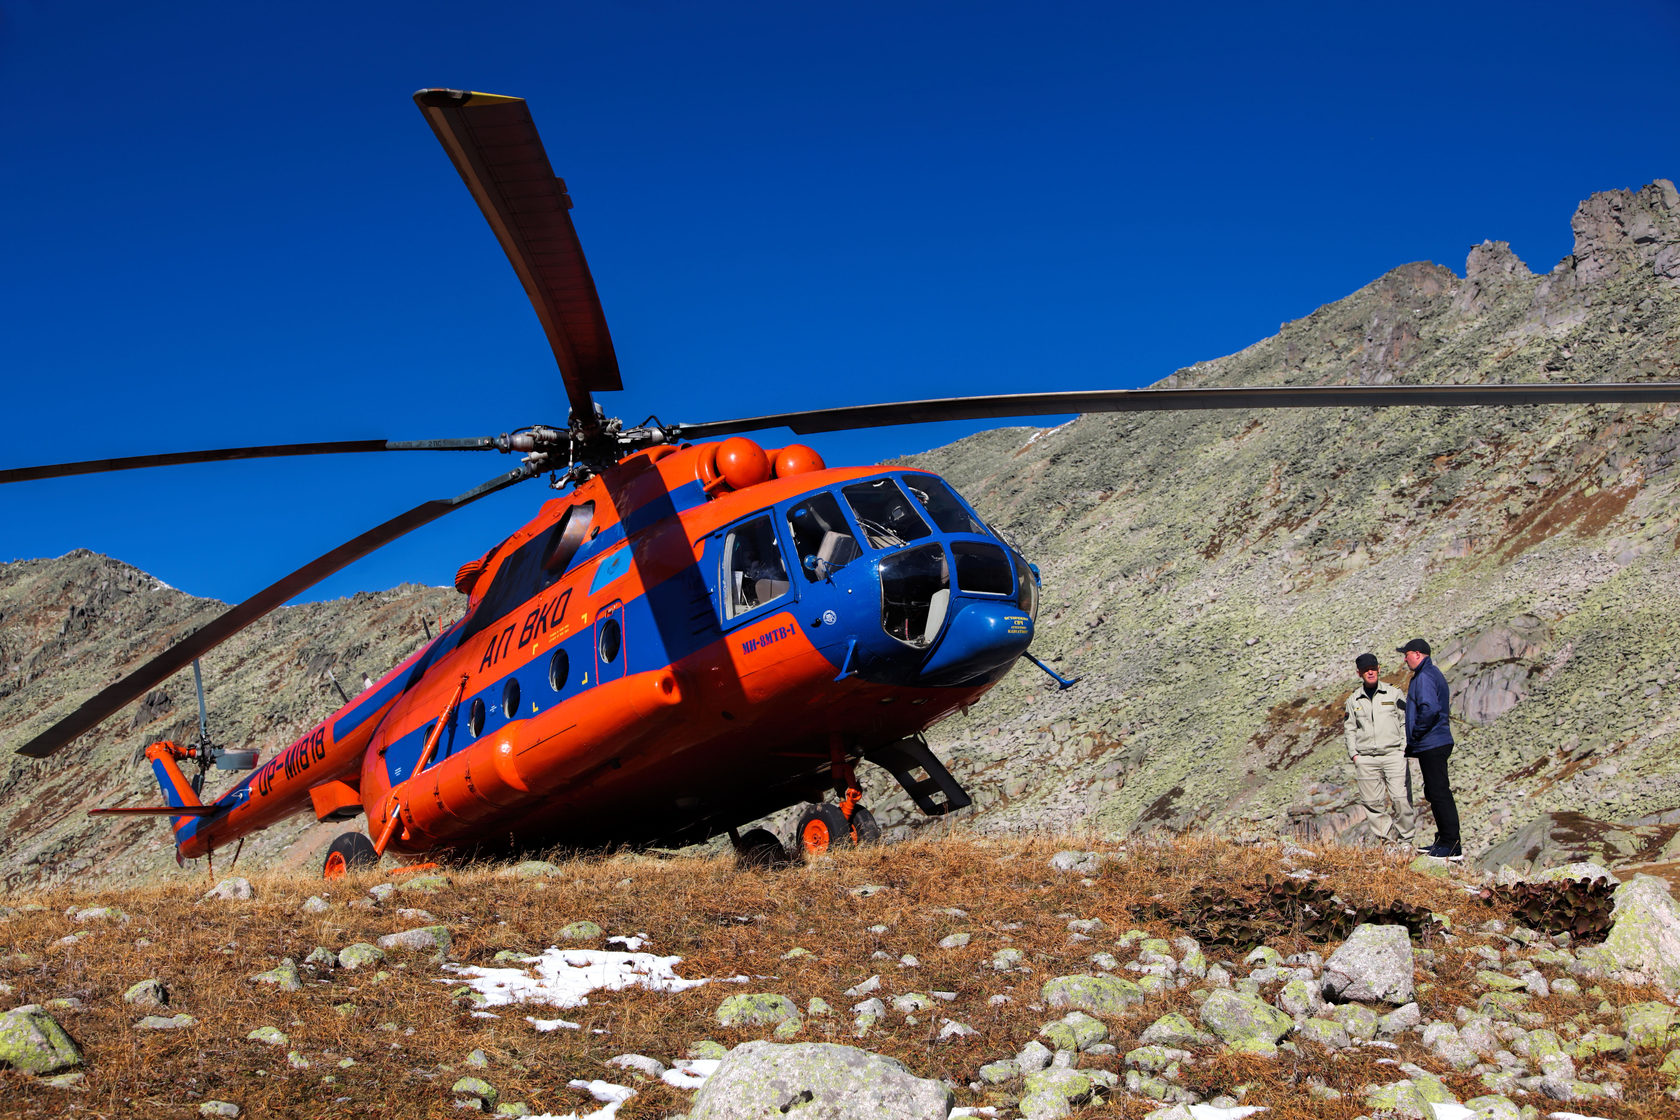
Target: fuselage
x,y
659,656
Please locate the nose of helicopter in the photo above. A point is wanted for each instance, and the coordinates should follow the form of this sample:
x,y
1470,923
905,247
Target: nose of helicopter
x,y
983,636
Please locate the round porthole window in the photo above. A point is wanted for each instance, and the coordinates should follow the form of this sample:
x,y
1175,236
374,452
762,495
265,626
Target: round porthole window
x,y
611,641
510,698
475,718
559,668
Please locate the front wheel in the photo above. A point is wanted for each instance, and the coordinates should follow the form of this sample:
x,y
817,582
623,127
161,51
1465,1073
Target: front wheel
x,y
822,827
350,852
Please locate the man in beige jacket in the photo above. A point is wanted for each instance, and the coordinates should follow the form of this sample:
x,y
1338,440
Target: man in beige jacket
x,y
1375,733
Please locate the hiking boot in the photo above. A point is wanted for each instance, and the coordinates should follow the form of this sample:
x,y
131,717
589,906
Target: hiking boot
x,y
1452,853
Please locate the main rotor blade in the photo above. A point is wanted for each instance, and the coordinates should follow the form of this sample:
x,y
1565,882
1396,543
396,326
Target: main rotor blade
x,y
226,454
1167,400
236,618
496,148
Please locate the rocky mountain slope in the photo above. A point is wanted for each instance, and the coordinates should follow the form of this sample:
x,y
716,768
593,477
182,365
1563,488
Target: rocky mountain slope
x,y
1210,577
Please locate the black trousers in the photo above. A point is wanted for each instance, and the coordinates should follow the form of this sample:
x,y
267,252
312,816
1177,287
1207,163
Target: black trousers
x,y
1433,764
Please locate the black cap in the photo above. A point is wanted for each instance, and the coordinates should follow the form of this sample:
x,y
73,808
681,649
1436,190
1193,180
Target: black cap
x,y
1416,645
1365,662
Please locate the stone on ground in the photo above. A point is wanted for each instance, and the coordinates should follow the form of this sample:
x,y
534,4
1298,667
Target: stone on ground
x,y
816,1081
1374,963
31,1041
1645,932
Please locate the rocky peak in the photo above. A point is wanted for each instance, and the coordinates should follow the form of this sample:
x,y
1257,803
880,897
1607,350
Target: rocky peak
x,y
1621,231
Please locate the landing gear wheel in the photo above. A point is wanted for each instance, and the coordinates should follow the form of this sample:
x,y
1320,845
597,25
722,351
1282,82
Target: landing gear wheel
x,y
864,826
350,852
758,850
822,827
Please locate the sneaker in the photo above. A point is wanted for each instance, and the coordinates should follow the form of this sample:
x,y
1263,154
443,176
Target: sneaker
x,y
1452,853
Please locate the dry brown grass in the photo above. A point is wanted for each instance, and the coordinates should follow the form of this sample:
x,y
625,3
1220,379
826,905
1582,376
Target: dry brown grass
x,y
722,922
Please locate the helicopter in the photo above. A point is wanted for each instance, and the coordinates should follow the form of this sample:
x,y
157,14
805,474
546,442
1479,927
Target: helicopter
x,y
698,631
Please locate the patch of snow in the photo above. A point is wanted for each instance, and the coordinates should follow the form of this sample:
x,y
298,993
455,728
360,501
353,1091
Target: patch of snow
x,y
546,1025
614,1097
987,1110
1446,1110
690,1073
1214,1112
565,977
485,1015
631,944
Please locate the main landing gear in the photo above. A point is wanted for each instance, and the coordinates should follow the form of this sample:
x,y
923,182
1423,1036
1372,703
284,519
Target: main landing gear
x,y
824,826
350,852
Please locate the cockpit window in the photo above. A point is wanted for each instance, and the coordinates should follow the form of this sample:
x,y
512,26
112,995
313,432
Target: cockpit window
x,y
982,568
943,505
915,594
889,519
822,540
753,571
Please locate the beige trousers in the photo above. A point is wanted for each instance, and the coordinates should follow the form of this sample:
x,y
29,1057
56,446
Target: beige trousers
x,y
1381,779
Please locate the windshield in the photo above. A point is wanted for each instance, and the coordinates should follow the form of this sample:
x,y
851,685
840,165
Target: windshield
x,y
887,516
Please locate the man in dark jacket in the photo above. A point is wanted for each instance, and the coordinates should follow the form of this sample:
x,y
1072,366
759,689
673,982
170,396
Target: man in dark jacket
x,y
1429,740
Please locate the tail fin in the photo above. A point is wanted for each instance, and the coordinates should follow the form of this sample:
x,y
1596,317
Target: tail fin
x,y
181,804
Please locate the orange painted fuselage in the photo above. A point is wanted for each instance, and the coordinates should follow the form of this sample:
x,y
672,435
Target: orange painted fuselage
x,y
659,656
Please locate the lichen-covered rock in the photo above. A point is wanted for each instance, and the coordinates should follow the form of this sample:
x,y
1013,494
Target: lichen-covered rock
x,y
822,1081
283,976
269,1036
233,889
1075,1086
1098,995
1173,1029
1648,1024
996,1073
1374,963
31,1041
1245,1023
359,955
477,1090
1645,931
423,884
166,1022
1079,863
758,1009
1326,1032
433,939
147,993
533,869
583,930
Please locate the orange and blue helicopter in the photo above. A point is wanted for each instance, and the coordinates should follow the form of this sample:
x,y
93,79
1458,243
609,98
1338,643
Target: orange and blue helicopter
x,y
698,632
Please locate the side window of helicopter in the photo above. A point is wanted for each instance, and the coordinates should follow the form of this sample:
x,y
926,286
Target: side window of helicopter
x,y
822,540
753,571
888,518
943,505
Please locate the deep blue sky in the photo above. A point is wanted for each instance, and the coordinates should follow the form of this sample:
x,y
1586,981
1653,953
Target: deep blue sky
x,y
227,224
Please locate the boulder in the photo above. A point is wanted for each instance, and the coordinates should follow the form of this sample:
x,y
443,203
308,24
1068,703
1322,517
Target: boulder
x,y
31,1041
816,1081
760,1009
147,993
1645,931
433,939
1098,995
1244,1022
230,890
1374,963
